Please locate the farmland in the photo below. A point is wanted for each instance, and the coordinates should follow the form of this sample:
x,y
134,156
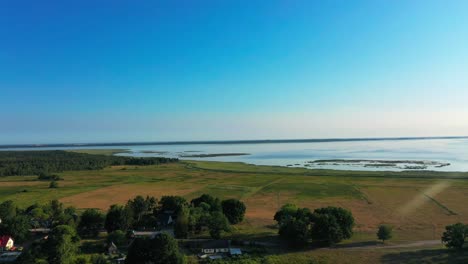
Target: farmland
x,y
418,205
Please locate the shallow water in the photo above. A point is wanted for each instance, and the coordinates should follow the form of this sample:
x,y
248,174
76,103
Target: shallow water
x,y
453,151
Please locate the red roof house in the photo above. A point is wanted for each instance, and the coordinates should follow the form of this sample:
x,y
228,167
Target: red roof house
x,y
6,242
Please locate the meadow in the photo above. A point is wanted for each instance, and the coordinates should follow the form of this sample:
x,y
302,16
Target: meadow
x,y
418,204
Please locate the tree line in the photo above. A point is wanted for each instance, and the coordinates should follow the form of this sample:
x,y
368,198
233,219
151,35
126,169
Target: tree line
x,y
43,163
301,226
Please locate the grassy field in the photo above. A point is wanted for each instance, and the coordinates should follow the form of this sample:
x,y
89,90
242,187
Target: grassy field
x,y
418,204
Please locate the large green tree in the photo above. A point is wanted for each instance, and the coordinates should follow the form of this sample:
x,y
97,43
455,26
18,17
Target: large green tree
x,y
14,221
162,249
172,203
217,224
455,235
140,206
234,210
286,212
343,217
385,232
118,218
91,222
213,202
181,225
62,245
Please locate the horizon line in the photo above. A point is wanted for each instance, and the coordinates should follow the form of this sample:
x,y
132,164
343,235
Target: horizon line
x,y
206,142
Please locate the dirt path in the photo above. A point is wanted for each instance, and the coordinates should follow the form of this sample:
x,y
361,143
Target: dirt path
x,y
416,244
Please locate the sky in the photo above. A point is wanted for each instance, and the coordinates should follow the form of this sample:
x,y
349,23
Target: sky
x,y
122,71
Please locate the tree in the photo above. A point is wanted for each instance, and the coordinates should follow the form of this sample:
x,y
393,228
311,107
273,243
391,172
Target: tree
x,y
17,226
98,259
286,212
385,232
53,185
455,235
62,245
234,210
172,203
214,203
296,231
91,222
162,249
181,226
218,223
59,215
118,237
198,219
81,260
326,229
140,206
38,217
343,217
118,218
7,210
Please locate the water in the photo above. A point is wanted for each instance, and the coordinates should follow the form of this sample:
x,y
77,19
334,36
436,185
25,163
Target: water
x,y
453,151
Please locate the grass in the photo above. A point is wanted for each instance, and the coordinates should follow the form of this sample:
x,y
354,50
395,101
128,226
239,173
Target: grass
x,y
373,197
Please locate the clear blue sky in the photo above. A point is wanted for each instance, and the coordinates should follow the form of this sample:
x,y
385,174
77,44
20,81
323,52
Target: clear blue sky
x,y
88,71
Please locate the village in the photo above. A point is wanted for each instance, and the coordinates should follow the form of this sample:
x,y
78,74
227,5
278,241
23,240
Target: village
x,y
140,219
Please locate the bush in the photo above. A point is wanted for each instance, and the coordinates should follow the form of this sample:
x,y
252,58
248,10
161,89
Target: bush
x,y
53,185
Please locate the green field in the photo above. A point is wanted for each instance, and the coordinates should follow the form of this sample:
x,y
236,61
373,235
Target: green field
x,y
418,204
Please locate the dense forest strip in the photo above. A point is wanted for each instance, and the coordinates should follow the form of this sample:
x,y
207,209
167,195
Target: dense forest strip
x,y
37,162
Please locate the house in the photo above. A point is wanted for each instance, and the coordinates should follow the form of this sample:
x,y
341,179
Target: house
x,y
112,249
152,234
235,251
165,219
6,242
215,246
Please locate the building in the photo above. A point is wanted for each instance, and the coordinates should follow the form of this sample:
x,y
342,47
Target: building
x,y
112,249
165,219
6,243
9,257
235,251
215,246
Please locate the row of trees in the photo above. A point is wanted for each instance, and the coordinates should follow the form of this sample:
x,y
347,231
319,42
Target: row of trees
x,y
44,163
203,213
300,226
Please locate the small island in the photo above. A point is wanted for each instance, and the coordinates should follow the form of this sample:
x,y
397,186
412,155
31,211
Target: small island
x,y
211,155
396,164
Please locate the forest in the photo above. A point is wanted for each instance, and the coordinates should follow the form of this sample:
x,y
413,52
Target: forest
x,y
14,163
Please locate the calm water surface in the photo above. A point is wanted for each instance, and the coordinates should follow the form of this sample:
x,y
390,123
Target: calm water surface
x,y
453,151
